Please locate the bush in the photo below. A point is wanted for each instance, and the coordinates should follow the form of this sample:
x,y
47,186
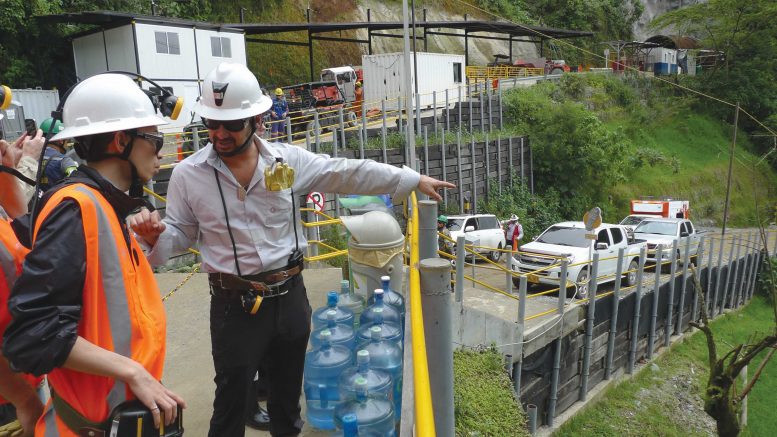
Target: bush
x,y
483,396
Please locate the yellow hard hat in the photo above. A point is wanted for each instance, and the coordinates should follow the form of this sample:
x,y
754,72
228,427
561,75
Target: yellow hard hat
x,y
358,84
278,92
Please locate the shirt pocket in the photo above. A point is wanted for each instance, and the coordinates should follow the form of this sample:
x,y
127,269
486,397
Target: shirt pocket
x,y
277,214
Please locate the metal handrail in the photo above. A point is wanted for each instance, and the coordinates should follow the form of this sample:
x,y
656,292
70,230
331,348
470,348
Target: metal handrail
x,y
424,424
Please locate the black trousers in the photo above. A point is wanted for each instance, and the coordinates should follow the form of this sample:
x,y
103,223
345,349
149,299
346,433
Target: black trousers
x,y
277,337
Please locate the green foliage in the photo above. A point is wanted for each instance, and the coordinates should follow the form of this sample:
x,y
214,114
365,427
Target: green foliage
x,y
331,236
573,151
745,31
536,211
483,396
767,278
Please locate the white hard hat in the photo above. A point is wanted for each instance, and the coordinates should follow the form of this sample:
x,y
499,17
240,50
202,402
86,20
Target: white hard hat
x,y
513,217
106,103
231,92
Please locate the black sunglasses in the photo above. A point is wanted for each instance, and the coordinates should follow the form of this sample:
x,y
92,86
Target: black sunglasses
x,y
155,138
230,125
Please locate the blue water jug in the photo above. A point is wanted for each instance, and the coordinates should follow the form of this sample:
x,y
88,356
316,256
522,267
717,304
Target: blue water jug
x,y
374,416
386,356
348,299
389,331
341,333
390,314
323,367
390,296
378,382
344,315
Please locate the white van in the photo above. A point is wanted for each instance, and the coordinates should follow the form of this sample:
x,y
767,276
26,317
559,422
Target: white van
x,y
481,230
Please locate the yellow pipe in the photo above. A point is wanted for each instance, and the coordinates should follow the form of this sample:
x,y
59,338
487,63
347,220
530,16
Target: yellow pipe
x,y
424,417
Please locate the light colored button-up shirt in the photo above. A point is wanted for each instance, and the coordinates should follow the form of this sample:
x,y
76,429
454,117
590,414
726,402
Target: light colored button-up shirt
x,y
261,220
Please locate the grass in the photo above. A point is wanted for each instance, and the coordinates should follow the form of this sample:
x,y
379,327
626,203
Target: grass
x,y
655,402
701,145
483,395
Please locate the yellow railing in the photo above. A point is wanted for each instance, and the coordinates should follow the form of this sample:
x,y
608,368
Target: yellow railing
x,y
424,417
501,72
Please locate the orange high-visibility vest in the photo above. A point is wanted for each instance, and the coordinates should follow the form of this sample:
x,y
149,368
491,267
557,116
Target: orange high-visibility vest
x,y
121,311
12,255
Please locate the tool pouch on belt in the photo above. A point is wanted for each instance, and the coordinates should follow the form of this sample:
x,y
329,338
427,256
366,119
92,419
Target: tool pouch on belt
x,y
128,419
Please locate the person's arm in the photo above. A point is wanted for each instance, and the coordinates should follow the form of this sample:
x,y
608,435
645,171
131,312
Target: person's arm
x,y
21,395
45,302
361,176
162,239
11,194
89,358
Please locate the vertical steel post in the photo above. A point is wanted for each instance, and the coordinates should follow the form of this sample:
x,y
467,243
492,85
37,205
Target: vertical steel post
x,y
499,84
745,267
447,112
562,280
459,107
361,141
434,111
196,139
288,130
756,269
307,140
616,296
474,180
418,112
697,280
589,330
726,286
435,298
489,95
751,265
510,160
523,180
509,272
734,290
488,167
317,131
427,229
312,232
426,152
469,103
461,254
482,108
363,129
518,351
341,121
710,258
499,162
444,168
654,309
669,323
718,282
460,184
681,309
383,131
637,309
334,154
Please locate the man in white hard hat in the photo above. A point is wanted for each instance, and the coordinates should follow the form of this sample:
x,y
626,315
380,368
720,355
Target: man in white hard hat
x,y
86,308
513,233
238,195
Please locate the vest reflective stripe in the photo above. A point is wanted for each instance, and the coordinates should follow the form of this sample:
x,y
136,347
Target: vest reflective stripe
x,y
12,255
121,310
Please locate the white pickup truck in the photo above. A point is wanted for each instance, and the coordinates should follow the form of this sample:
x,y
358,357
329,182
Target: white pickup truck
x,y
568,240
664,231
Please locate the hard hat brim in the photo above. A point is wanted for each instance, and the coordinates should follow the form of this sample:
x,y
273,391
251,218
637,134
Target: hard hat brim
x,y
108,126
260,107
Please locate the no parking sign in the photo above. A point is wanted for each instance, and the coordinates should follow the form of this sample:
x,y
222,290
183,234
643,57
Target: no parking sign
x,y
317,199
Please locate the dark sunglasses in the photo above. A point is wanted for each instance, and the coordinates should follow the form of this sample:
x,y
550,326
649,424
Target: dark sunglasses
x,y
155,138
230,125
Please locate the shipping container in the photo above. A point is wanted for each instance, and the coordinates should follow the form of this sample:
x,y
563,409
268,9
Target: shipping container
x,y
37,103
178,56
383,77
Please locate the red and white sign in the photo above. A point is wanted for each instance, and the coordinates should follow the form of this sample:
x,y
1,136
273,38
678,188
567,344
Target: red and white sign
x,y
317,199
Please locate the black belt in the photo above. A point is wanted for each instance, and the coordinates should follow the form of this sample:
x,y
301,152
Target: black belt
x,y
233,286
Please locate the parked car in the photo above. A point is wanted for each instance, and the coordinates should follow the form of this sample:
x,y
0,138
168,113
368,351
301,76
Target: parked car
x,y
482,230
664,231
568,241
631,221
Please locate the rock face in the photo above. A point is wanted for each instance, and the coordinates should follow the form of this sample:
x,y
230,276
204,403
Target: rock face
x,y
481,52
654,8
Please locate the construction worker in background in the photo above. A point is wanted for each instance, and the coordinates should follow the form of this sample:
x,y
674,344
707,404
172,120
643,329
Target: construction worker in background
x,y
259,310
444,244
86,308
56,165
358,100
513,233
278,114
20,406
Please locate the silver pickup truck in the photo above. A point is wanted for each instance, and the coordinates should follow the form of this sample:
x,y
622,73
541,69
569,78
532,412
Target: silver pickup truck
x,y
568,240
664,231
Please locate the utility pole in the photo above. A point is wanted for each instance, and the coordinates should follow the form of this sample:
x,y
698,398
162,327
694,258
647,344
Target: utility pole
x,y
408,84
730,170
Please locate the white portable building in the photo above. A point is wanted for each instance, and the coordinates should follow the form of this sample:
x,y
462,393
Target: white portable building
x,y
174,53
37,103
383,77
